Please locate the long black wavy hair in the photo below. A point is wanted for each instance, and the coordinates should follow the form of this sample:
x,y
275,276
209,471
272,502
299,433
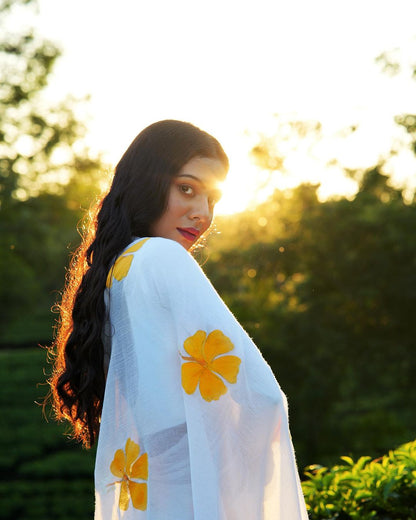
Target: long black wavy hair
x,y
137,198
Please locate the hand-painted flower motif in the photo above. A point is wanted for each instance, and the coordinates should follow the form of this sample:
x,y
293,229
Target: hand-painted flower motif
x,y
203,364
128,466
122,265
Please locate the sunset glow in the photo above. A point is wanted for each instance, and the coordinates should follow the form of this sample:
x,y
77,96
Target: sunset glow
x,y
228,67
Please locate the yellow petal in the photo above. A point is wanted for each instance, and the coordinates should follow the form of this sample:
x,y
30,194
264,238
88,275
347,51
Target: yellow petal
x,y
217,343
135,247
117,467
211,386
124,496
109,281
132,452
227,367
194,345
123,263
138,493
122,266
191,374
140,468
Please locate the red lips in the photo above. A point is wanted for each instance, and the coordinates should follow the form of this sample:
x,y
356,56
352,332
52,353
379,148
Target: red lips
x,y
190,234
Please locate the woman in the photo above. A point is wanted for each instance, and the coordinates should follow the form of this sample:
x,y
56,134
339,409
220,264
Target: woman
x,y
192,423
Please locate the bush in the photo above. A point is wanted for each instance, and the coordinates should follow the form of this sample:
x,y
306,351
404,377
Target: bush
x,y
42,475
383,488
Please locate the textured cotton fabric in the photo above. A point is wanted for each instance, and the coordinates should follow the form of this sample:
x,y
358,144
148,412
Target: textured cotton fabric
x,y
194,424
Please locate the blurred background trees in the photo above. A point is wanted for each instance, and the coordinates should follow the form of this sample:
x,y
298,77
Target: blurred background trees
x,y
327,290
46,177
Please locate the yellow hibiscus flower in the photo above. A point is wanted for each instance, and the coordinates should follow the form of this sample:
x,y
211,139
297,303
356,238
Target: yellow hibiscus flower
x,y
203,364
123,263
127,465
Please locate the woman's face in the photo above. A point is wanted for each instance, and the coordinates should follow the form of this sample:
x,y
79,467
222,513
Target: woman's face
x,y
192,197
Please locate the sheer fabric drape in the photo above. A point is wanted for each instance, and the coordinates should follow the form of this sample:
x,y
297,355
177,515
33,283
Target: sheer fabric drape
x,y
194,424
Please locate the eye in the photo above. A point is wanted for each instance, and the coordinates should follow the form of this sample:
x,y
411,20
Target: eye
x,y
186,189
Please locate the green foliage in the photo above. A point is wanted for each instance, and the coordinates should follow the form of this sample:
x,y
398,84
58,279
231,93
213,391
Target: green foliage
x,y
384,488
46,177
326,290
40,142
33,252
408,121
43,475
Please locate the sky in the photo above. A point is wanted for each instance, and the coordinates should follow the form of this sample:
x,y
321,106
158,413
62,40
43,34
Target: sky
x,y
229,67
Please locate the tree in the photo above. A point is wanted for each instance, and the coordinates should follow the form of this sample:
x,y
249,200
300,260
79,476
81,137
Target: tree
x,y
327,291
45,171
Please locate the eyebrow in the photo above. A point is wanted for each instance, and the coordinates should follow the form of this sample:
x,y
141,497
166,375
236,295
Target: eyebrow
x,y
197,179
191,177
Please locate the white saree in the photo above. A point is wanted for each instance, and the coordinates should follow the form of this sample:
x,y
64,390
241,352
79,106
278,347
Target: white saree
x,y
194,424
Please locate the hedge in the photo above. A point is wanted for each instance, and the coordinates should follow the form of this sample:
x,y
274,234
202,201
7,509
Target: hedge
x,y
384,488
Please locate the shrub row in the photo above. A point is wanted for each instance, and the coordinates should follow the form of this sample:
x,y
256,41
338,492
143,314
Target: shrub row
x,y
383,488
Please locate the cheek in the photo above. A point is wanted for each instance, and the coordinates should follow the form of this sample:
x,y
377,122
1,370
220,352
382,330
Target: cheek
x,y
177,205
170,217
209,222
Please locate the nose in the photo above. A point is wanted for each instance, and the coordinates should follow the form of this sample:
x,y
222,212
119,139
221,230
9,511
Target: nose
x,y
202,211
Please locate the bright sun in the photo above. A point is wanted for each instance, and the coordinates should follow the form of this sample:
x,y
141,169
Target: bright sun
x,y
239,189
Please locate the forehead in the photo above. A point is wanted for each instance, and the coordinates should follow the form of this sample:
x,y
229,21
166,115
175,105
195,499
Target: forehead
x,y
206,170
